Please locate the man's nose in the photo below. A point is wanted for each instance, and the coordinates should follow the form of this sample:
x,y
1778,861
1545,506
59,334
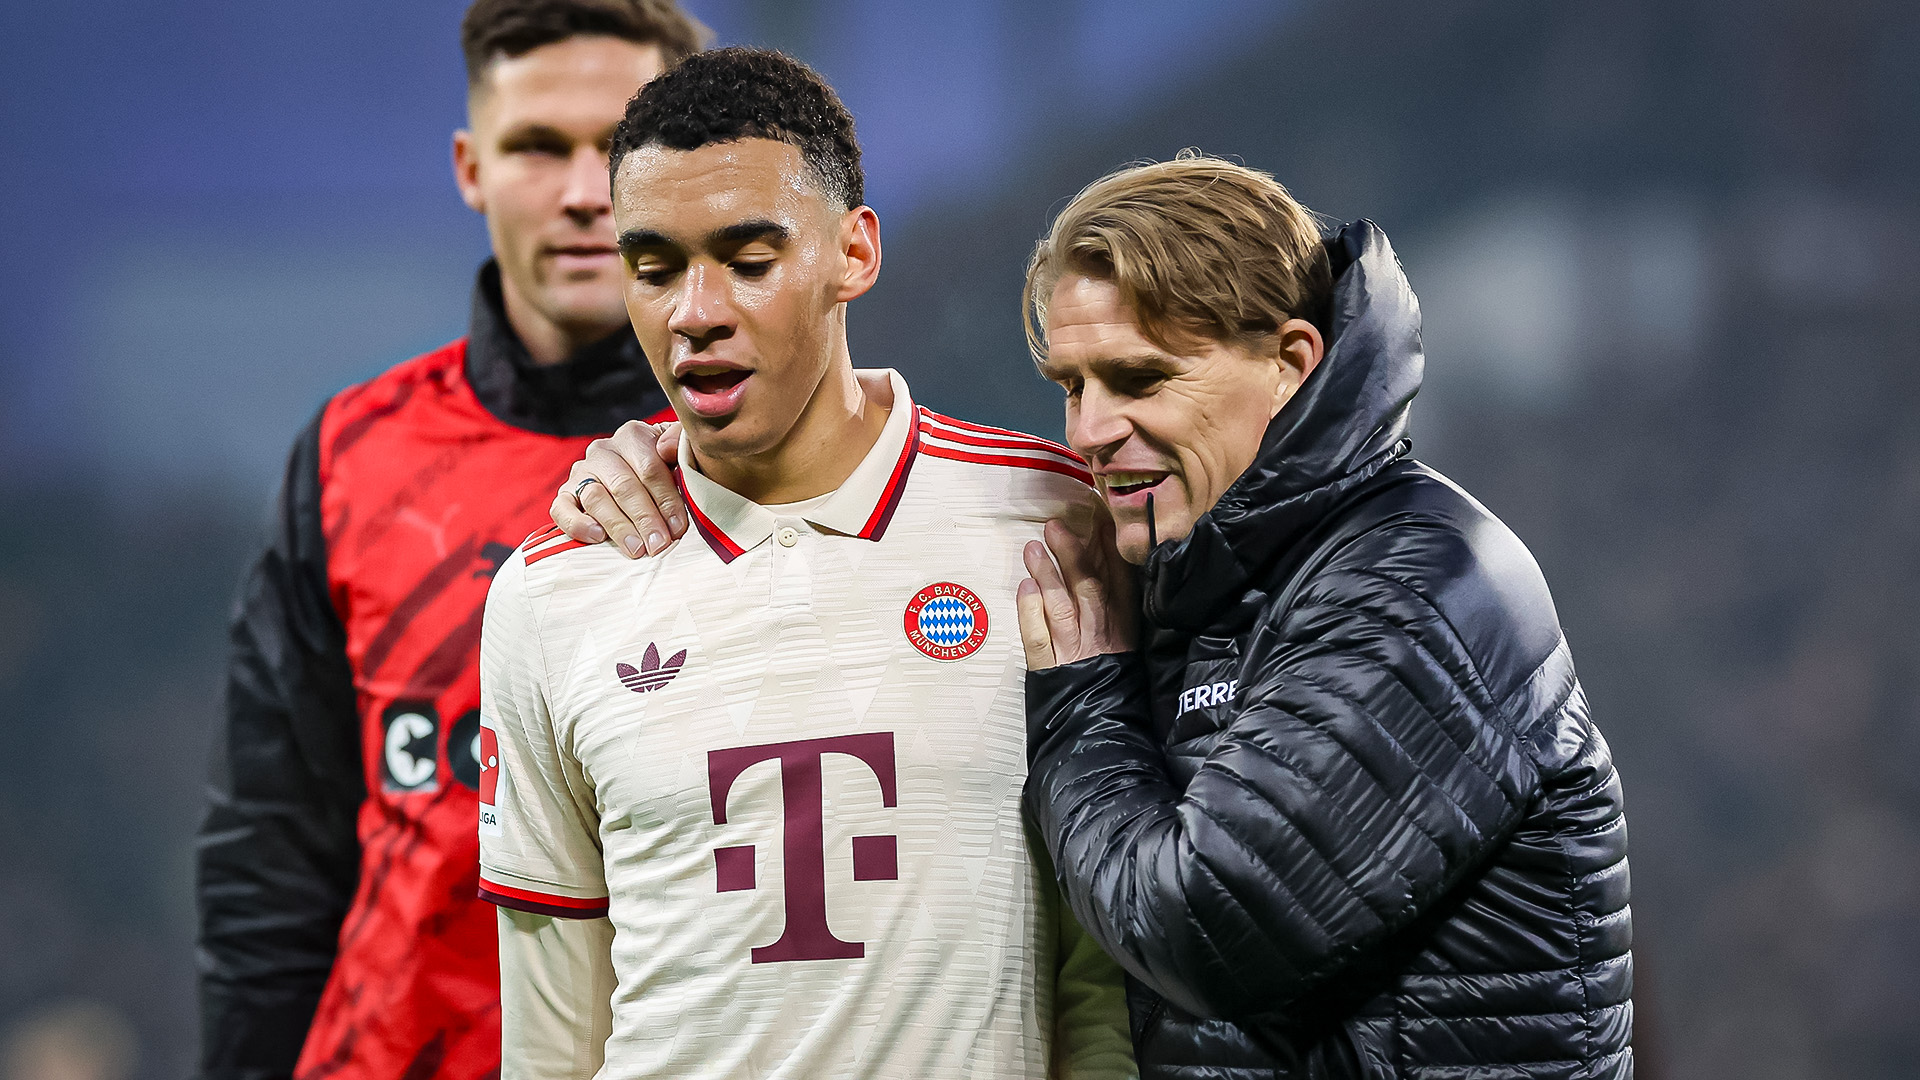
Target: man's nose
x,y
1098,423
703,311
586,198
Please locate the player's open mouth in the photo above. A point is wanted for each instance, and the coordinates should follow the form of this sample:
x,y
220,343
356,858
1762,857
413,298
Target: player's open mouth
x,y
713,391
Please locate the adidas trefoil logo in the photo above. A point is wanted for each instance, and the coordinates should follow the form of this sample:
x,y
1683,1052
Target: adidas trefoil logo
x,y
651,674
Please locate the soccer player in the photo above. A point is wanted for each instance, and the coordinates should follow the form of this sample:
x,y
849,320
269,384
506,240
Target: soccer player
x,y
751,808
337,861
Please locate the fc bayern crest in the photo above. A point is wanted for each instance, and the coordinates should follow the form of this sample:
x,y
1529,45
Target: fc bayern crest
x,y
946,621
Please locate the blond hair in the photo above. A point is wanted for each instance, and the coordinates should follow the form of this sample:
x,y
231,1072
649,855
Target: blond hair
x,y
1201,249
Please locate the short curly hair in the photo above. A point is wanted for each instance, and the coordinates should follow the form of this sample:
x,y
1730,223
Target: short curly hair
x,y
741,93
495,28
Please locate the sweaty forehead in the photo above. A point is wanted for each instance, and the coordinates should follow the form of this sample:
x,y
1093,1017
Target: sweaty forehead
x,y
686,192
1087,320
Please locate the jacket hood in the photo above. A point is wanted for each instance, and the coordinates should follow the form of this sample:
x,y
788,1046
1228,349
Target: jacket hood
x,y
1347,422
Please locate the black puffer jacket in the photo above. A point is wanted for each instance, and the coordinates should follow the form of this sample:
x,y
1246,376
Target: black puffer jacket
x,y
1345,815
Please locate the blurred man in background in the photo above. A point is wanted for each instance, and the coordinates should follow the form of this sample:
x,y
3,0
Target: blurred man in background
x,y
340,933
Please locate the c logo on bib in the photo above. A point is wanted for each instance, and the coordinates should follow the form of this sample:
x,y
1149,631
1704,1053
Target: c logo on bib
x,y
946,621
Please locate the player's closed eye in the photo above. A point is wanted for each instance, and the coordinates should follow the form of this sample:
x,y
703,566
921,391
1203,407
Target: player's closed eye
x,y
654,273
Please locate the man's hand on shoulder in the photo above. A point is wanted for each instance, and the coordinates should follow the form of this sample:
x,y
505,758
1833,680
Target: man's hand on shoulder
x,y
623,491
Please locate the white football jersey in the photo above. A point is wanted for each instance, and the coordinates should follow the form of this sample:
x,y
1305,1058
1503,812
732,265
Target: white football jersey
x,y
785,757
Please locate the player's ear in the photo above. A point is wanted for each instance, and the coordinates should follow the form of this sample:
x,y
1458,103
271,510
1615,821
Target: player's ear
x,y
466,170
860,244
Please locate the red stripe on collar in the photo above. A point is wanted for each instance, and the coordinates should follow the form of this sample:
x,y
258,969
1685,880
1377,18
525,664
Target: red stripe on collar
x,y
721,544
876,526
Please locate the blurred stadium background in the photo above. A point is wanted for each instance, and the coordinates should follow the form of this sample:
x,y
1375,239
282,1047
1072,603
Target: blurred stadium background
x,y
1670,257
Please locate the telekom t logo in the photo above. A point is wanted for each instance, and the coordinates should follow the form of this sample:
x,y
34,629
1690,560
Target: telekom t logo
x,y
803,841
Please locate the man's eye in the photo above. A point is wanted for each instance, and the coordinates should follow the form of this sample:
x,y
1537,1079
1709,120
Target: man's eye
x,y
540,148
1141,384
653,275
753,269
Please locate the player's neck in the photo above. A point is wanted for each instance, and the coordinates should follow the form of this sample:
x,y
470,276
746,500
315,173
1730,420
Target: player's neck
x,y
841,422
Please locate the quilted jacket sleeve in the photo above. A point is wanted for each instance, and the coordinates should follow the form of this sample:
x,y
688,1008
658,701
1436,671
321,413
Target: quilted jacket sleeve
x,y
278,857
1362,772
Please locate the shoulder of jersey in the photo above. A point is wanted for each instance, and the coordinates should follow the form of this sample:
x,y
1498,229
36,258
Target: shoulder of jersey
x,y
979,444
551,560
544,544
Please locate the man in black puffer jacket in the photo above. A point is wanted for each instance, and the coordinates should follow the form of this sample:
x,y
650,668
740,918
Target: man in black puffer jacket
x,y
1341,812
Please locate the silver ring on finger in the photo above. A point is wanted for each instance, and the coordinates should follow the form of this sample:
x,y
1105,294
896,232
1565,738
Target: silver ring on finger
x,y
582,486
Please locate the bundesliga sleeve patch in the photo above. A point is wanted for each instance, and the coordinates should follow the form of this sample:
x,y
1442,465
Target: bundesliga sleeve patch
x,y
489,782
946,621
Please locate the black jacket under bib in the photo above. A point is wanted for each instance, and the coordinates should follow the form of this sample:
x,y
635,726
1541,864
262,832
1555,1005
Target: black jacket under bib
x,y
1344,814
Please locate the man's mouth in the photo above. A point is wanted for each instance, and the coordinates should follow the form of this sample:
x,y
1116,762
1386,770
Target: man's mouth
x,y
1132,483
573,253
713,391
